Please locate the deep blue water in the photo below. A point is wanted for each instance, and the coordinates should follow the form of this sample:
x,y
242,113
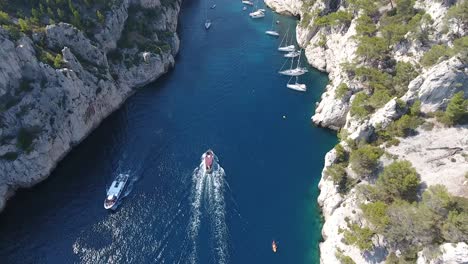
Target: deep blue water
x,y
224,94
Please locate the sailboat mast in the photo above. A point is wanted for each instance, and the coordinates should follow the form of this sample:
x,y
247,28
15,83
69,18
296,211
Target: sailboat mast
x,y
284,37
299,59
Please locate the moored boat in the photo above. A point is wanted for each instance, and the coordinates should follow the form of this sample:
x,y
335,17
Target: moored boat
x,y
296,86
246,2
272,33
115,190
292,54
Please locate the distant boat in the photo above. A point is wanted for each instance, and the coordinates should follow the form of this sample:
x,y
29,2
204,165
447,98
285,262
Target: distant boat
x,y
296,86
294,71
292,54
246,2
244,8
207,24
258,13
207,20
274,246
115,190
284,46
272,32
213,6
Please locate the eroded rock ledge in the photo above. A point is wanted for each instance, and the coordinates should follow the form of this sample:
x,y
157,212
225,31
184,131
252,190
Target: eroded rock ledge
x,y
433,87
48,110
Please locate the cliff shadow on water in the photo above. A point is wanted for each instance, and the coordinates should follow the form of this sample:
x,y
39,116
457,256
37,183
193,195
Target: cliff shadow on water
x,y
225,94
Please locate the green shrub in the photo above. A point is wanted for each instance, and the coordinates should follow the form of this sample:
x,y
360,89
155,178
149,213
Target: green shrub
x,y
376,214
365,26
433,55
365,159
359,107
457,110
343,258
379,98
25,139
405,73
10,156
398,180
361,237
334,19
4,18
372,48
341,91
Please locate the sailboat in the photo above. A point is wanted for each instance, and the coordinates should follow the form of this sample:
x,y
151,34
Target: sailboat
x,y
294,71
286,47
272,32
296,86
207,21
258,13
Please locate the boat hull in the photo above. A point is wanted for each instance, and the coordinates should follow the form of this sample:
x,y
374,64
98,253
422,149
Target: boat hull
x,y
298,87
290,48
272,33
293,72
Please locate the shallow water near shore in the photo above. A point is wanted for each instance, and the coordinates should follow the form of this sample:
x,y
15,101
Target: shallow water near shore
x,y
224,94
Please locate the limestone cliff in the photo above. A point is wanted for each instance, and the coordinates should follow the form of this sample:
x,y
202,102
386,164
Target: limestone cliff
x,y
332,49
46,109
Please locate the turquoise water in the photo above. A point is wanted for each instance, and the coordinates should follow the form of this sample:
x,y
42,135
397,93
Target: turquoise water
x,y
224,94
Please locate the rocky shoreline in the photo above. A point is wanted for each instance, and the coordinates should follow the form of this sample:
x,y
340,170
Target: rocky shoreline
x,y
433,87
87,87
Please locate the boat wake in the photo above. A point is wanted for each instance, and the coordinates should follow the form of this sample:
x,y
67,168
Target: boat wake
x,y
208,194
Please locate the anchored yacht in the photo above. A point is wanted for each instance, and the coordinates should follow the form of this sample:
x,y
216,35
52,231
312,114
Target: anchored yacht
x,y
296,86
115,190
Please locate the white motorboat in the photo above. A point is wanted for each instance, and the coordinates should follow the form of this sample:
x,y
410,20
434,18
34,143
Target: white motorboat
x,y
296,86
272,33
213,6
288,48
292,54
115,190
246,2
244,8
257,14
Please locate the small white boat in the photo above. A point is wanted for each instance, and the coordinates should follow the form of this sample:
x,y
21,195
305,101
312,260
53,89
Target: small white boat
x,y
272,33
289,48
244,8
294,72
246,2
257,14
284,46
115,190
296,86
213,6
207,24
292,54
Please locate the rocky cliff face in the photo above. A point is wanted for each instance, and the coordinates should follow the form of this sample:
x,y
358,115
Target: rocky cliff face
x,y
46,110
330,49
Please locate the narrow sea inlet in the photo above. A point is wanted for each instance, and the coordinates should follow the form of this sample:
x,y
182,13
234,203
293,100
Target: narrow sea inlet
x,y
225,93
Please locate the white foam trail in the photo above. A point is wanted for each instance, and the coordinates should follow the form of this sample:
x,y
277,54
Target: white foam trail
x,y
198,179
217,209
209,188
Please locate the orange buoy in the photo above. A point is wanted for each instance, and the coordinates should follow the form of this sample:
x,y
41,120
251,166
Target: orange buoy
x,y
274,247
